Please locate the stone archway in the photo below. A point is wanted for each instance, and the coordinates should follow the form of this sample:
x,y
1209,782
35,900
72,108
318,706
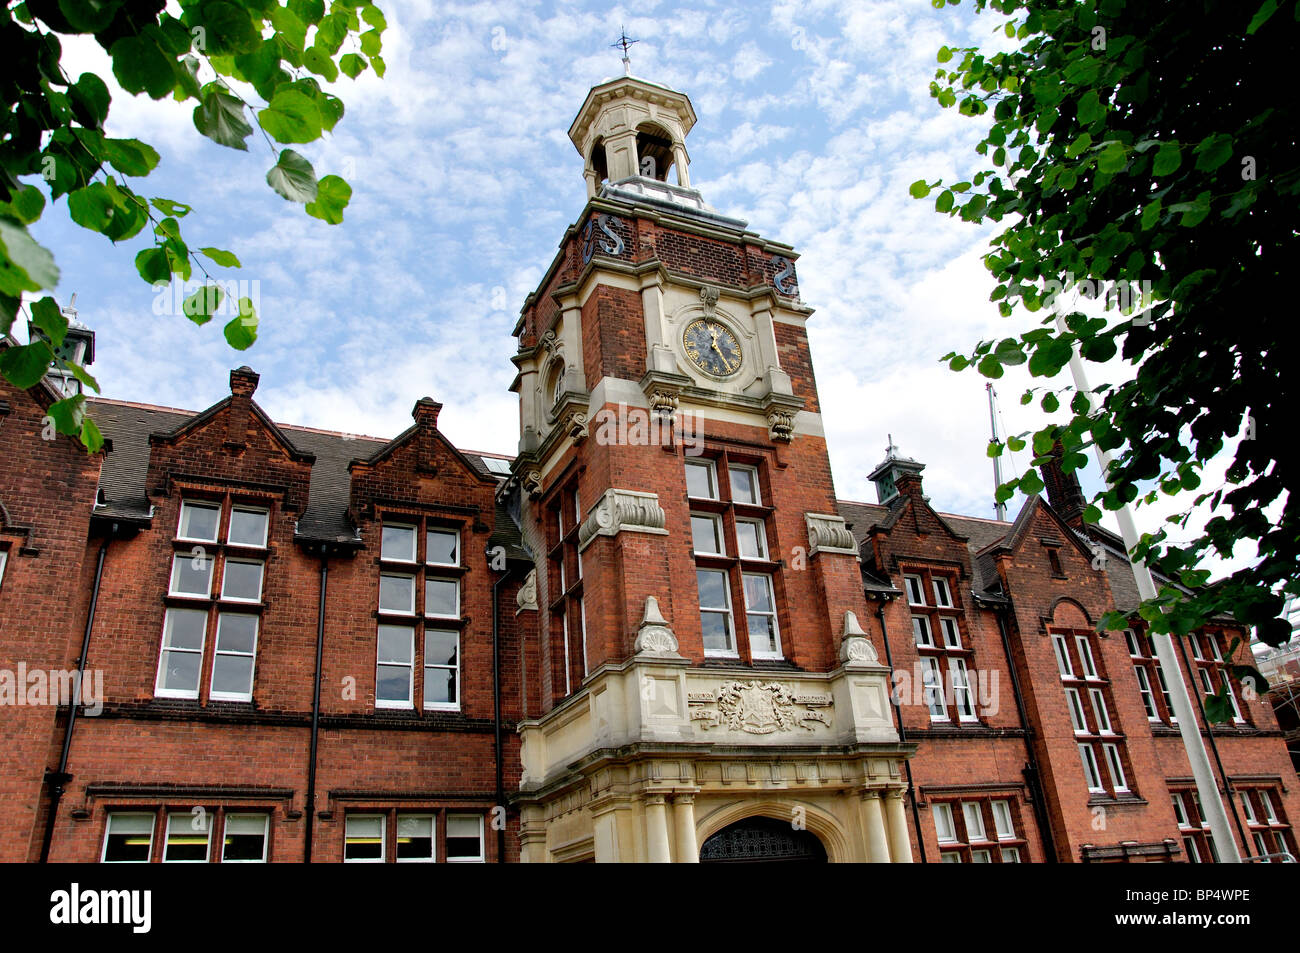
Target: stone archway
x,y
764,840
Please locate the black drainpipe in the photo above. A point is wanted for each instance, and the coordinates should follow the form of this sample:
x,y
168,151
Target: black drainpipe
x,y
58,779
1032,777
496,710
315,710
902,735
1209,733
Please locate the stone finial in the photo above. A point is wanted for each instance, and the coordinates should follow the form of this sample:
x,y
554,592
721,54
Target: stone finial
x,y
654,637
854,645
243,381
425,412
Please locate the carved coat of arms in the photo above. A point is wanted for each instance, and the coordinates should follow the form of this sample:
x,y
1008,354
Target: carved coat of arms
x,y
757,707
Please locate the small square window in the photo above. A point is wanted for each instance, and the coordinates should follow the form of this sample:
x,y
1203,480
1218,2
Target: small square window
x,y
191,575
415,840
397,594
701,480
706,534
128,839
744,484
248,527
442,598
245,840
751,539
241,580
464,839
187,838
441,669
442,547
363,839
232,663
199,521
398,543
394,666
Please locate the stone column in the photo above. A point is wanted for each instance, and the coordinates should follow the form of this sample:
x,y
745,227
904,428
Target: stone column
x,y
688,850
873,820
532,836
900,845
656,822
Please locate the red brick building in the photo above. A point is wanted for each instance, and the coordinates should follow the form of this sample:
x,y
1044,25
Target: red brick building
x,y
654,634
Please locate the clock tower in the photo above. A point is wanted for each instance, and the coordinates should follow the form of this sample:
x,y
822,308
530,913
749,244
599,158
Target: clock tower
x,y
698,683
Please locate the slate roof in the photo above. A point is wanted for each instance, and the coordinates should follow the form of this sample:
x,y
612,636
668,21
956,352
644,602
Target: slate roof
x,y
122,479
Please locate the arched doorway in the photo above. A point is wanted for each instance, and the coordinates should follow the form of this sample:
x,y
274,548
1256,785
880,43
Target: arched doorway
x,y
762,839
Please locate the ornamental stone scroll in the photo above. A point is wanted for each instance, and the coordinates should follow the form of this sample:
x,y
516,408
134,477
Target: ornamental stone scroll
x,y
828,533
619,511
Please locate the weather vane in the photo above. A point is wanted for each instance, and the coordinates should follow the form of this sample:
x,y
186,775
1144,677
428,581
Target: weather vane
x,y
624,42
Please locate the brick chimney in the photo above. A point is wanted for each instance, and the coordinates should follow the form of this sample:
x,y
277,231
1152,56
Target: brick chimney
x,y
243,383
1063,490
426,411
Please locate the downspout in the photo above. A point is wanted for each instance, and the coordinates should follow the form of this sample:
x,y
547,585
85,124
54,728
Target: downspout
x,y
1032,775
315,710
499,754
59,778
1214,747
902,735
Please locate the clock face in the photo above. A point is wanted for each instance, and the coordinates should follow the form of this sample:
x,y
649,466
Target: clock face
x,y
712,347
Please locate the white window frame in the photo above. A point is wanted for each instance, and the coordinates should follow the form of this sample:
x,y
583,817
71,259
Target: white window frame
x,y
776,624
1145,691
761,535
4,558
712,468
1232,697
180,556
943,819
733,651
915,587
261,579
949,626
1180,813
1196,647
258,510
753,473
409,702
482,841
715,519
108,830
1116,766
266,838
1270,813
1061,649
1244,797
158,690
218,652
942,593
975,831
433,839
1078,720
1100,711
933,692
1010,855
582,620
198,505
455,614
1091,769
397,575
383,839
1086,659
453,705
443,531
1164,691
414,530
950,857
187,819
963,694
1004,824
1134,645
921,629
983,856
1193,852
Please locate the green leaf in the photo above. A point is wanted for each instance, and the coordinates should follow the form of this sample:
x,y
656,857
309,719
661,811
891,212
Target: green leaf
x,y
90,93
352,64
944,202
1112,158
91,438
241,330
330,33
1261,16
1015,444
944,55
24,265
169,207
141,67
375,17
332,196
89,16
229,29
1089,109
1150,215
918,189
989,367
378,63
26,205
371,43
81,374
153,265
130,156
308,11
1112,621
319,62
220,117
26,364
293,177
223,258
92,207
68,414
291,116
1218,709
1082,142
1212,152
50,320
290,25
1050,403
1167,160
200,306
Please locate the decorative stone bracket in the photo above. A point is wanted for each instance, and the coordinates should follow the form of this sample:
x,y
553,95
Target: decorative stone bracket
x,y
620,511
526,600
854,645
654,637
828,533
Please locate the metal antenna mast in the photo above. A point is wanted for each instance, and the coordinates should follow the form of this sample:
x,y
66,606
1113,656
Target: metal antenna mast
x,y
999,508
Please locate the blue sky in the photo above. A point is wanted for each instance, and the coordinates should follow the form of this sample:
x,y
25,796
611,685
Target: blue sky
x,y
813,119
